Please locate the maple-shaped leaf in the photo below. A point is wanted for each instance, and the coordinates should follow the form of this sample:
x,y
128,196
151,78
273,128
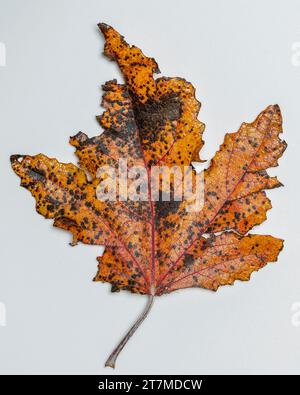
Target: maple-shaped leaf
x,y
154,246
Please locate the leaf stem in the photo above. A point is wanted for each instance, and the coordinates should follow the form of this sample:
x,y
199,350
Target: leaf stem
x,y
111,361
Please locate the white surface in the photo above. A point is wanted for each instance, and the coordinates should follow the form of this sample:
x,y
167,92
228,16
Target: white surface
x,y
241,56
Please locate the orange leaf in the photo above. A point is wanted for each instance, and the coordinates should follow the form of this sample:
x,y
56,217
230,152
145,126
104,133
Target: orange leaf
x,y
154,247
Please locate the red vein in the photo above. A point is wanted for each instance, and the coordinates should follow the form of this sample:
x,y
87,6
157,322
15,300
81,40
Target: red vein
x,y
207,268
162,159
152,215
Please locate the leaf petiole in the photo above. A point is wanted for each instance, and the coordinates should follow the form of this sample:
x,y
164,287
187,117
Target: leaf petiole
x,y
111,361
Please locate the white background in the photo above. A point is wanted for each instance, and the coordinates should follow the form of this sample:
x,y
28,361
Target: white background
x,y
239,56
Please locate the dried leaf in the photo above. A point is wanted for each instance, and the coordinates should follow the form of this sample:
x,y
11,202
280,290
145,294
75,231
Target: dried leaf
x,y
156,247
